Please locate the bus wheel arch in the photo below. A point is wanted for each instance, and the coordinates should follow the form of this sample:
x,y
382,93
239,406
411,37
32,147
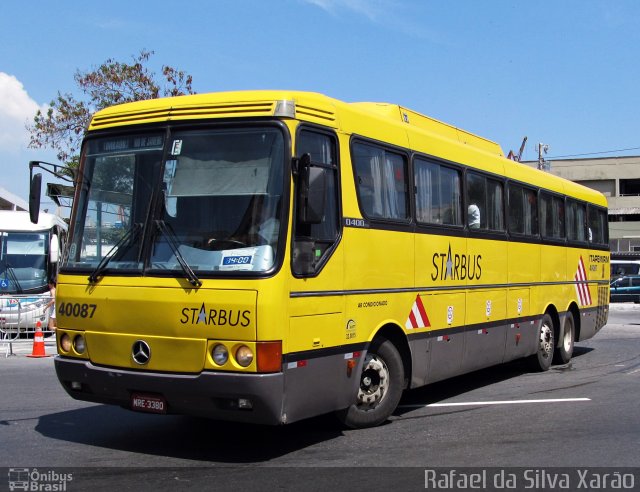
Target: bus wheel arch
x,y
382,380
575,311
395,334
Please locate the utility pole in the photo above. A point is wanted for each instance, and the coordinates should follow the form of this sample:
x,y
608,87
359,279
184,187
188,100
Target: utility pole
x,y
542,148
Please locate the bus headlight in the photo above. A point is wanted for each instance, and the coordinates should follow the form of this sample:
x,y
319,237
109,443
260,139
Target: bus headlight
x,y
220,354
65,343
244,356
79,344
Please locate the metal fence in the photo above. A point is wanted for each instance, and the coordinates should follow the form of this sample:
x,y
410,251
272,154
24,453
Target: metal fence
x,y
20,317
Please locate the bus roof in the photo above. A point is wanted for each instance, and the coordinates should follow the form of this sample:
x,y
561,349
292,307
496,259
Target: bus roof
x,y
11,220
386,122
309,105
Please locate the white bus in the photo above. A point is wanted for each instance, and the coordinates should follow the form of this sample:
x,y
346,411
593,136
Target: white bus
x,y
29,256
620,268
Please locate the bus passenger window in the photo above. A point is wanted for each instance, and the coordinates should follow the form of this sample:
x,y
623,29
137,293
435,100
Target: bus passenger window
x,y
438,196
516,209
576,221
485,208
381,182
552,224
598,227
530,212
522,210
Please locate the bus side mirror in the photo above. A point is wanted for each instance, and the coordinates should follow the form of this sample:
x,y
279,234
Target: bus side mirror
x,y
54,249
312,190
34,197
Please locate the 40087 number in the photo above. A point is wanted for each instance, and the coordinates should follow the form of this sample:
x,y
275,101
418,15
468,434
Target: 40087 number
x,y
76,310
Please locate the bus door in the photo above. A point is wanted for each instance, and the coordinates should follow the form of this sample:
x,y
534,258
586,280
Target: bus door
x,y
316,324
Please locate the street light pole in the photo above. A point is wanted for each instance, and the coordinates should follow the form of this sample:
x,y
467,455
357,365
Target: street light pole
x,y
542,148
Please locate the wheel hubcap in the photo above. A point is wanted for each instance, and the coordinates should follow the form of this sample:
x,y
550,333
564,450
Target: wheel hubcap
x,y
568,337
546,341
374,382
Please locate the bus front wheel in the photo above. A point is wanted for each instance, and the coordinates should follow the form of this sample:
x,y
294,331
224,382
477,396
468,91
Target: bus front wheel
x,y
380,389
541,360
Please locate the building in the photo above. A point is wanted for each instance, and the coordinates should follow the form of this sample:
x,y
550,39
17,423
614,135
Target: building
x,y
618,178
9,201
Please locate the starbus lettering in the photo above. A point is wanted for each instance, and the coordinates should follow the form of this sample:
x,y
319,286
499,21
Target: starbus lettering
x,y
215,317
450,266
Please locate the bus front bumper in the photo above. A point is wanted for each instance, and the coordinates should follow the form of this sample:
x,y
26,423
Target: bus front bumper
x,y
254,398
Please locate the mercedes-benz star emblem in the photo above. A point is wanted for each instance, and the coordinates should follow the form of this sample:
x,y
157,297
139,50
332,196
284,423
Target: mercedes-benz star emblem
x,y
141,352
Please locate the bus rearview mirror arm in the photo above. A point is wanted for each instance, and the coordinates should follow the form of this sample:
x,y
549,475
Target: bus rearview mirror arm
x,y
35,186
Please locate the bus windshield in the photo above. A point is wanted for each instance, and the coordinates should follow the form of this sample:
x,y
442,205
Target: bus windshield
x,y
23,261
620,268
209,198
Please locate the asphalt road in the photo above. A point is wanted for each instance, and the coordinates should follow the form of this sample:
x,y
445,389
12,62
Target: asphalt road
x,y
583,414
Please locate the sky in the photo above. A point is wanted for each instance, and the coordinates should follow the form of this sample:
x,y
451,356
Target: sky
x,y
562,72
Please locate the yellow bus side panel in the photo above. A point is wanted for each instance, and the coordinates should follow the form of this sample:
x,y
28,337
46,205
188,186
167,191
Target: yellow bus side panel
x,y
523,266
446,310
485,306
315,332
518,303
378,259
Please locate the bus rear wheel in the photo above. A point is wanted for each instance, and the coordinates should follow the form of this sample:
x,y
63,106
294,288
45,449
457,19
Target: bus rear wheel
x,y
563,353
541,360
381,383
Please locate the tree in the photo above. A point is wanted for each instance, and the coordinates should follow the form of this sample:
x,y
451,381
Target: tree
x,y
63,125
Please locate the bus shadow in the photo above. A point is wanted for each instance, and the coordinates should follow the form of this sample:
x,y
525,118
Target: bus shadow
x,y
199,439
459,385
182,437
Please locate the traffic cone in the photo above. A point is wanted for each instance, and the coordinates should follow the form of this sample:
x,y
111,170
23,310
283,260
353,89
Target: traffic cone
x,y
38,342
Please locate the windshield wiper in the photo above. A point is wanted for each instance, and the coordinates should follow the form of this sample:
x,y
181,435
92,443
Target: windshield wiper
x,y
12,275
131,233
170,236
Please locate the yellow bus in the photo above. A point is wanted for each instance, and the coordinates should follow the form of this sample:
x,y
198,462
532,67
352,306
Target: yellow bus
x,y
268,256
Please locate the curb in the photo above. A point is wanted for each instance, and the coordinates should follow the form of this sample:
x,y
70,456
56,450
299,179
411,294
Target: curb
x,y
624,306
22,348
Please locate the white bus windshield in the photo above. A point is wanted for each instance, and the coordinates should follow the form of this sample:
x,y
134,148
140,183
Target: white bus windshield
x,y
620,268
23,261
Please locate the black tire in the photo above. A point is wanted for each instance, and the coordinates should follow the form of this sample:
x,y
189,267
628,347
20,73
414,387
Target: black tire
x,y
563,353
381,385
541,360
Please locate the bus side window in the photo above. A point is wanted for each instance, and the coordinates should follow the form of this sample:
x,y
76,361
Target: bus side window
x,y
576,220
552,223
522,210
598,230
438,197
485,209
381,179
312,243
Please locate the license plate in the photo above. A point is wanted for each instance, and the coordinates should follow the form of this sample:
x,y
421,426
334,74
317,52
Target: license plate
x,y
148,403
